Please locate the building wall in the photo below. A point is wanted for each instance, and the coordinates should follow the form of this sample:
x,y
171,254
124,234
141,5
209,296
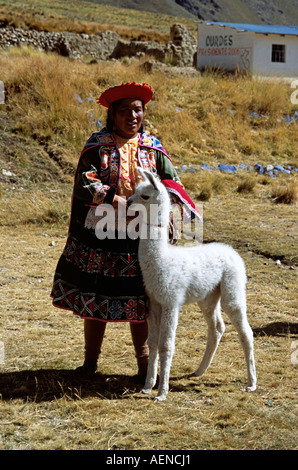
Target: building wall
x,y
229,48
262,64
222,46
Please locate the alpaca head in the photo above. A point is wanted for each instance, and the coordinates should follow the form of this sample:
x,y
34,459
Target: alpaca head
x,y
153,196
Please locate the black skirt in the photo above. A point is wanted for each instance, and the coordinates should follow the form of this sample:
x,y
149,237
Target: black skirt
x,y
100,279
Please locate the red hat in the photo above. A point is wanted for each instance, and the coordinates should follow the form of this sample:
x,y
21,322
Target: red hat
x,y
140,91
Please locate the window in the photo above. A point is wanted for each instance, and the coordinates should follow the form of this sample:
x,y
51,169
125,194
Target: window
x,y
278,53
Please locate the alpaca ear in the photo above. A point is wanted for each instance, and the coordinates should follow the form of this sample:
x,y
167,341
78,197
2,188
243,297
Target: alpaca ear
x,y
152,180
145,174
141,172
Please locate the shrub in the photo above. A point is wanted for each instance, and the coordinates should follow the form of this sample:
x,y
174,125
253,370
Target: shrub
x,y
285,193
246,185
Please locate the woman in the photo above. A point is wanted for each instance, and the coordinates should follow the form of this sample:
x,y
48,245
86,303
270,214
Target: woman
x,y
100,279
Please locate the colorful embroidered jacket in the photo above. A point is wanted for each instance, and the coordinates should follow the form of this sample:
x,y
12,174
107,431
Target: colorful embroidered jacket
x,y
98,173
98,170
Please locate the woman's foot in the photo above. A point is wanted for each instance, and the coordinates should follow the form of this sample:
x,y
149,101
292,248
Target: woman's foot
x,y
88,368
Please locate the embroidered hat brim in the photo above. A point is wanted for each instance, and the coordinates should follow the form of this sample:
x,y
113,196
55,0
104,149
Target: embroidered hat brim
x,y
138,91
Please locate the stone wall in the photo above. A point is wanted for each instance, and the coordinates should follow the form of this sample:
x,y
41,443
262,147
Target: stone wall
x,y
180,51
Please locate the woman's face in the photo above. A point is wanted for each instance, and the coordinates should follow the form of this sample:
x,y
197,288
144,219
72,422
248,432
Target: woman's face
x,y
128,118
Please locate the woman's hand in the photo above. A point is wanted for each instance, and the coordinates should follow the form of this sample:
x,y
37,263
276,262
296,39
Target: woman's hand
x,y
119,202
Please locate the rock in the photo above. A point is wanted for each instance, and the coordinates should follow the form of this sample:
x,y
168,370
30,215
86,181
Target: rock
x,y
269,168
206,167
183,47
135,48
227,168
288,119
107,45
7,173
243,166
259,168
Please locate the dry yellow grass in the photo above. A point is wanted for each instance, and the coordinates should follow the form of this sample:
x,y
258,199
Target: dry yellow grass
x,y
41,93
43,406
285,193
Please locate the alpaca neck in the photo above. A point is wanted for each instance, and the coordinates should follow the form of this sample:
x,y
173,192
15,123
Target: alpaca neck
x,y
155,244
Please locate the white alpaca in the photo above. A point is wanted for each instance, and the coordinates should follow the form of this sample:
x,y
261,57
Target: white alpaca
x,y
211,275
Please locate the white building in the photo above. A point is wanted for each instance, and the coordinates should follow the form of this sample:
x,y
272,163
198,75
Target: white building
x,y
265,50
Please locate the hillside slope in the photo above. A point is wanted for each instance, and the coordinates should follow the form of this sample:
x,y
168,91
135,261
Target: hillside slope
x,y
167,7
245,11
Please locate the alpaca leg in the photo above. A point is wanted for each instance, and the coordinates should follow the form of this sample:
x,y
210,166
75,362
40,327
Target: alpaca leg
x,y
245,334
168,327
233,299
216,329
153,336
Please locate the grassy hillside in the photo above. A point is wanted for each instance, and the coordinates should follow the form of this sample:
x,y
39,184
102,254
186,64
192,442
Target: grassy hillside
x,y
88,17
238,11
168,7
50,111
48,114
93,17
213,122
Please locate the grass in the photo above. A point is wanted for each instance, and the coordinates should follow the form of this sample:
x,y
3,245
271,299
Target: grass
x,y
90,18
43,128
246,185
44,406
285,193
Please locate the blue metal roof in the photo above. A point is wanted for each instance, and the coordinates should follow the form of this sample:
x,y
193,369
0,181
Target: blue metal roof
x,y
259,28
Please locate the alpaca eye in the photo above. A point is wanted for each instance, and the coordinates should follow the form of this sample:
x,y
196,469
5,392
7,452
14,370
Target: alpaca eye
x,y
145,197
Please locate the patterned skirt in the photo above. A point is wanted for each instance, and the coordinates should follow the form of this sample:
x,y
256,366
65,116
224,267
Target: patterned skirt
x,y
101,280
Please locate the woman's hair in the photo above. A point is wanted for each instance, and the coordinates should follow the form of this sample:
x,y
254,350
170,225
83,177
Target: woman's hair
x,y
111,111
